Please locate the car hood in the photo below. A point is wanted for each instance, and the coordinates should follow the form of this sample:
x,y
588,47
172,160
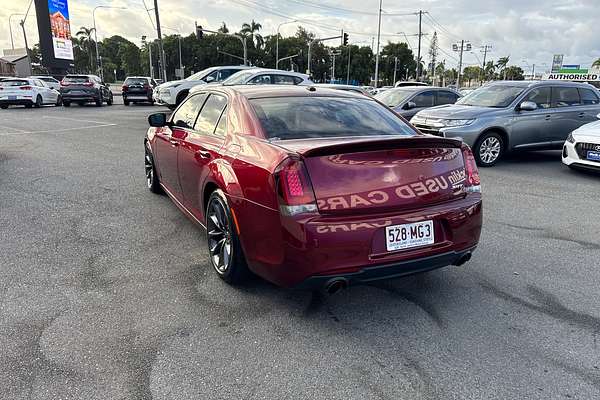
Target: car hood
x,y
456,111
591,130
170,84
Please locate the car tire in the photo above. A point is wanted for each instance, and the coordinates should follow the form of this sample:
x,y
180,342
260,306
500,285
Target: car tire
x,y
109,102
4,106
99,101
488,149
66,104
59,101
125,102
28,105
38,101
152,181
224,247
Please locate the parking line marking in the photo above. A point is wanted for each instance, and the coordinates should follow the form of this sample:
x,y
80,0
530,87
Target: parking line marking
x,y
74,119
56,130
14,129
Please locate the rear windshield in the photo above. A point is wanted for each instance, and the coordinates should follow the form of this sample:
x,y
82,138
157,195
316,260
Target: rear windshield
x,y
76,79
13,82
136,81
315,117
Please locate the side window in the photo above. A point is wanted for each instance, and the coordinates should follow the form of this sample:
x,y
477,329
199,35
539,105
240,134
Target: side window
x,y
185,116
39,83
226,73
588,97
540,96
221,128
214,75
425,99
446,97
209,116
283,80
297,80
564,96
260,80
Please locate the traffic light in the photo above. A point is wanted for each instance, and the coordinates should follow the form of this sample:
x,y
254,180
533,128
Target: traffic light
x,y
344,39
199,32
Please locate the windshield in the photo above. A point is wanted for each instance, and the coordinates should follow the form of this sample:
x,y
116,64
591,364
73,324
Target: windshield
x,y
316,117
199,75
76,79
492,96
392,98
238,78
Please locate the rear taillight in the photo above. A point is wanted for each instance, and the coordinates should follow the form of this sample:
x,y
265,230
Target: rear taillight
x,y
25,87
473,182
294,189
64,83
88,83
125,87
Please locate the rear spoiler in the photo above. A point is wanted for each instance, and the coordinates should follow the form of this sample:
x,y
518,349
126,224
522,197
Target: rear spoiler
x,y
359,146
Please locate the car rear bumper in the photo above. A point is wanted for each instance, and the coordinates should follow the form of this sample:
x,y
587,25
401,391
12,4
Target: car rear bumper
x,y
17,102
134,97
76,98
292,252
388,271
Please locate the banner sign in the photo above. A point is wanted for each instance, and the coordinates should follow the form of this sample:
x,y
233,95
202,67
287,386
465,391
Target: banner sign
x,y
593,77
61,29
557,61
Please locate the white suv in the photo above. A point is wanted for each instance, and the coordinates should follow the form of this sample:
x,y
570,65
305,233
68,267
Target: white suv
x,y
172,93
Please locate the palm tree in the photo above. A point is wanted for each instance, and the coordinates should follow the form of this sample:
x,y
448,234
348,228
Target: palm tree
x,y
252,30
85,39
502,63
596,64
488,71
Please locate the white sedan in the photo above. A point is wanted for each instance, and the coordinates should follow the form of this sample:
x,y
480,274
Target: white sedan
x,y
28,92
582,148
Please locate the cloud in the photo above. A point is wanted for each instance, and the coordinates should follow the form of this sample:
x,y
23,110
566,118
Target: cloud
x,y
529,31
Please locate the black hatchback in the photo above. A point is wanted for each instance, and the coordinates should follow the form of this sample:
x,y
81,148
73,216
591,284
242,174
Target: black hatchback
x,y
138,89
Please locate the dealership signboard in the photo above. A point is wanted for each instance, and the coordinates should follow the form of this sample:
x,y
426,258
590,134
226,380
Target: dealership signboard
x,y
54,27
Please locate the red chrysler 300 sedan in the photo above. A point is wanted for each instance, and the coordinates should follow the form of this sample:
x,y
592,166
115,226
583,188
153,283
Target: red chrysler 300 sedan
x,y
311,187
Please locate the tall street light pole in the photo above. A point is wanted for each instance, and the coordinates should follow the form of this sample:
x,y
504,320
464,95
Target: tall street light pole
x,y
98,60
12,43
277,41
161,48
378,40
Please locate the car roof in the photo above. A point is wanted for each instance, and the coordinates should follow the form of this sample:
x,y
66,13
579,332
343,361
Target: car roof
x,y
419,88
280,71
138,77
525,84
265,91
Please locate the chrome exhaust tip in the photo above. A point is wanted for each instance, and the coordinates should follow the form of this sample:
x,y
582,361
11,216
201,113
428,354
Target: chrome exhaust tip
x,y
335,285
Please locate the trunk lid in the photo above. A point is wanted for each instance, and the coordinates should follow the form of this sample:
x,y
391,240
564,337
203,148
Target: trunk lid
x,y
375,175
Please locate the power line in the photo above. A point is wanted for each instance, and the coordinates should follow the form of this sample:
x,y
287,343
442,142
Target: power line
x,y
350,10
442,27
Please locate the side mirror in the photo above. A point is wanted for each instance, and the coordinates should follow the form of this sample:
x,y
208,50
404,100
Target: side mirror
x,y
209,79
410,105
598,116
157,120
527,106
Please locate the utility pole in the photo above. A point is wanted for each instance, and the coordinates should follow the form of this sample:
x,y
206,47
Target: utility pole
x,y
378,40
161,49
533,72
419,48
395,67
348,70
485,50
462,45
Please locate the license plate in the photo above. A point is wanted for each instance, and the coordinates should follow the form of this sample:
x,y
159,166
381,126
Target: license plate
x,y
137,97
593,155
406,236
12,97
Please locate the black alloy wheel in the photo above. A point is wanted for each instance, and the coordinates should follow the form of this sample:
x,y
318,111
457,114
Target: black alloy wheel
x,y
152,182
225,251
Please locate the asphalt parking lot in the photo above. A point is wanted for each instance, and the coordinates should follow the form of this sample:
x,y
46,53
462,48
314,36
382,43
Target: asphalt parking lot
x,y
106,291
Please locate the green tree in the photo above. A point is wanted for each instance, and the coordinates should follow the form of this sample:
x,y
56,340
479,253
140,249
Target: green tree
x,y
501,64
433,52
489,71
405,66
472,73
252,30
84,35
514,73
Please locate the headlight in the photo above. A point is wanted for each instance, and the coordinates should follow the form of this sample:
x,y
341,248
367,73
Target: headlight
x,y
457,122
570,138
417,120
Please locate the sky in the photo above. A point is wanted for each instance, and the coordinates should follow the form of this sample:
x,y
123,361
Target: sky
x,y
528,31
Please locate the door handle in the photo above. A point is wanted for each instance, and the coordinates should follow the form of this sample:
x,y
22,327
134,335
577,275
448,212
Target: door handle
x,y
203,154
581,114
547,117
174,142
